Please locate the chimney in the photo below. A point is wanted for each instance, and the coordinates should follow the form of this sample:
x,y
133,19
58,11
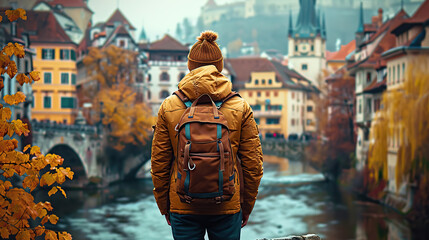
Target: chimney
x,y
380,16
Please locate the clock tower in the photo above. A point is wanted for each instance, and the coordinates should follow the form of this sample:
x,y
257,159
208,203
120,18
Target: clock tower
x,y
307,42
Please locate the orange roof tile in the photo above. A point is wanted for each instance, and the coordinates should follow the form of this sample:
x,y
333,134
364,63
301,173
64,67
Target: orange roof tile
x,y
341,54
117,16
168,43
420,16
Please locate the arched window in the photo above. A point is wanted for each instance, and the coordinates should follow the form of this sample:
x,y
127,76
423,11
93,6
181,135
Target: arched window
x,y
181,76
148,95
164,94
270,81
164,76
263,81
256,81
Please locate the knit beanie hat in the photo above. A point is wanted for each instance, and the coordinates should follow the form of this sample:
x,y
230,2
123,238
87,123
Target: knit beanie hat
x,y
205,52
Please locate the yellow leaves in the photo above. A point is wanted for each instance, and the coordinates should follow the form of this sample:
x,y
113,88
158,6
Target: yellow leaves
x,y
16,14
55,189
1,18
31,181
18,97
18,127
12,70
64,236
11,49
35,75
50,235
23,235
39,230
4,233
35,150
5,114
22,78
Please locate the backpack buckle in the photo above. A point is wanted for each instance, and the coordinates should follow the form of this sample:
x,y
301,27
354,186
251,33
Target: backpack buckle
x,y
188,199
218,200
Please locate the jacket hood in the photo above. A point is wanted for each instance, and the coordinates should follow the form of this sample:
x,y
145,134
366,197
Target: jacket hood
x,y
205,80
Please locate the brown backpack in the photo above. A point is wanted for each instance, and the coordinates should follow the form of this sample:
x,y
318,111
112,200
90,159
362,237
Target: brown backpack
x,y
205,167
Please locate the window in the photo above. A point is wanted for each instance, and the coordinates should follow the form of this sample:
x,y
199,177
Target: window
x,y
369,105
256,81
181,76
148,95
267,94
121,43
270,81
276,94
47,102
368,77
293,95
403,71
165,76
73,55
256,107
68,102
308,122
164,94
293,108
65,54
293,122
309,108
258,94
312,47
304,66
397,68
274,107
263,81
273,121
64,78
73,79
390,75
48,53
296,48
149,77
360,106
393,75
47,78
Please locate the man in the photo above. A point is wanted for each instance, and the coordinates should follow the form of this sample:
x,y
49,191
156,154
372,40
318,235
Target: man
x,y
223,220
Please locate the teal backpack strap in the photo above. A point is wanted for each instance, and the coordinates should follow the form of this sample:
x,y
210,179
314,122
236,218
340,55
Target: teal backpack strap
x,y
183,98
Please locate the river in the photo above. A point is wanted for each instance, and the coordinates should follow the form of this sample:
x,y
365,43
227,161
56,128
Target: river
x,y
293,199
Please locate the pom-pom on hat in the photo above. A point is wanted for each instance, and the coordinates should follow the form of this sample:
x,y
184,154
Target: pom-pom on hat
x,y
205,52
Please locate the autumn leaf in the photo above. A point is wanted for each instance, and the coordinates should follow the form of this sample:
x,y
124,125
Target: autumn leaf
x,y
26,148
5,114
18,127
34,150
1,18
14,99
22,78
31,182
9,49
23,235
47,179
39,230
62,191
19,50
50,235
53,219
35,75
52,191
64,236
12,70
14,15
4,232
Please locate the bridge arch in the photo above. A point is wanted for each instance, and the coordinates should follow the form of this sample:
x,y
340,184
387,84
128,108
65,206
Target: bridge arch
x,y
74,161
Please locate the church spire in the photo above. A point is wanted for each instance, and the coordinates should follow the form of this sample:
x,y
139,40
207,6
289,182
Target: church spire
x,y
290,23
360,27
323,31
306,25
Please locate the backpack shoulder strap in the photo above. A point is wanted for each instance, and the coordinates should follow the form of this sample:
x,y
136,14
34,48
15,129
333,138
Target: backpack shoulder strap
x,y
229,96
183,98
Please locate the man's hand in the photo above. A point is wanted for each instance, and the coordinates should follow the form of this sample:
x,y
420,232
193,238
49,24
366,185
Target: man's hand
x,y
167,217
244,220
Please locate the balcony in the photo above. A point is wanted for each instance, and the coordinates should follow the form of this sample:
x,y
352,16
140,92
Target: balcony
x,y
167,63
269,113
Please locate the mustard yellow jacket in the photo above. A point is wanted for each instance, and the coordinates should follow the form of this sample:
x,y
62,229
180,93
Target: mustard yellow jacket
x,y
244,138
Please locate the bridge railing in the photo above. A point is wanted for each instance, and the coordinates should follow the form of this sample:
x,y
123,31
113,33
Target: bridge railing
x,y
44,125
303,237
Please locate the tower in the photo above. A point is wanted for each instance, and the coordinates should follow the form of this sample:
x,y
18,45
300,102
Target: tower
x,y
307,42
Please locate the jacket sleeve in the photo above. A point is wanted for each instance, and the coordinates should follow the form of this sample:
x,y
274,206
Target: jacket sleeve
x,y
162,156
250,154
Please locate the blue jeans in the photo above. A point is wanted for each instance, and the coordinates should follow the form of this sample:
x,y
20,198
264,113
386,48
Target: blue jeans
x,y
193,227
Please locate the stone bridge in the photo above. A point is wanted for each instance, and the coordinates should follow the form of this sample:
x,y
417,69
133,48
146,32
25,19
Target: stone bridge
x,y
77,144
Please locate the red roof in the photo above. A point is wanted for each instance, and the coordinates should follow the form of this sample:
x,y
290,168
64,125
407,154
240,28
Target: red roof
x,y
67,3
387,42
243,67
117,16
168,43
419,17
43,28
375,86
341,54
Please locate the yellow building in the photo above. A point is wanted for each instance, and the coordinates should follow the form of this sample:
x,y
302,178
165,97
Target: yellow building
x,y
55,59
280,98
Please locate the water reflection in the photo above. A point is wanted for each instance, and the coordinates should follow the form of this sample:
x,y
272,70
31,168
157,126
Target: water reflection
x,y
293,199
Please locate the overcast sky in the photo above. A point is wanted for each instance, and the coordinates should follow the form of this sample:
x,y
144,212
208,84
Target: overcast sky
x,y
156,16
